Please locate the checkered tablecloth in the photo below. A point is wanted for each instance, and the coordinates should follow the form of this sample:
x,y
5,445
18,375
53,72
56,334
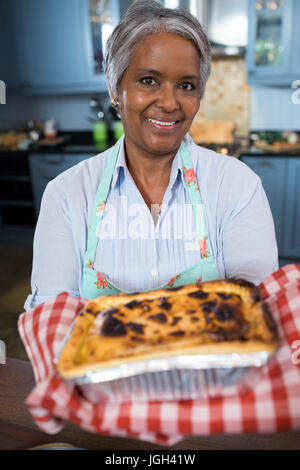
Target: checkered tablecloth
x,y
273,404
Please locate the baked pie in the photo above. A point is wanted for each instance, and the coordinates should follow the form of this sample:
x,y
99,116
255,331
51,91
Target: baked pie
x,y
217,317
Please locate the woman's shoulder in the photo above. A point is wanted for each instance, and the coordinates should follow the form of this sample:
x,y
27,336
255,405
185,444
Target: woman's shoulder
x,y
84,176
213,165
89,167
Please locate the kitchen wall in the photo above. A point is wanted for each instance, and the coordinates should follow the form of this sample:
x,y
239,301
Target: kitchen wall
x,y
70,111
227,95
226,98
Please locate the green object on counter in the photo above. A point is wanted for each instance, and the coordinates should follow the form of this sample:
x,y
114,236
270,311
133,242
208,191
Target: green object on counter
x,y
118,129
269,137
100,135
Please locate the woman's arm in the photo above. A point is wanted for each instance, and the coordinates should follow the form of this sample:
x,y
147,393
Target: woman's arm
x,y
56,265
248,236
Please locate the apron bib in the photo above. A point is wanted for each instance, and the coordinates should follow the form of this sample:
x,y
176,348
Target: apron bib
x,y
95,284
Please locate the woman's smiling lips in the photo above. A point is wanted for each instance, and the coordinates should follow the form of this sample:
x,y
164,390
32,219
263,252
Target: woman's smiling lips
x,y
162,124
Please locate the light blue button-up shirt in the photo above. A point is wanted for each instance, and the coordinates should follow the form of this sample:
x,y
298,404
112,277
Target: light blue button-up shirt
x,y
133,252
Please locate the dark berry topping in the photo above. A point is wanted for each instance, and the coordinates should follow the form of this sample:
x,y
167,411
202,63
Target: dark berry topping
x,y
159,317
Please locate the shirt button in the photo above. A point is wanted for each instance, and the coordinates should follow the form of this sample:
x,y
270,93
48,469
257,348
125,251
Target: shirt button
x,y
154,272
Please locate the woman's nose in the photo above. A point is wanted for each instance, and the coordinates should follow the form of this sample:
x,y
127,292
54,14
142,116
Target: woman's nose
x,y
167,99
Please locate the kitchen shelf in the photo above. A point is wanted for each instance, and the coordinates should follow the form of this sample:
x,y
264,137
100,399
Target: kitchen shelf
x,y
17,213
16,202
23,178
15,234
14,178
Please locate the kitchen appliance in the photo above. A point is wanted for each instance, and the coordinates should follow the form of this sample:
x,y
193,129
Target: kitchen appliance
x,y
225,22
34,130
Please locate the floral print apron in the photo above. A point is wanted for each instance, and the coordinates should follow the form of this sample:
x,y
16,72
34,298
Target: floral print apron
x,y
95,284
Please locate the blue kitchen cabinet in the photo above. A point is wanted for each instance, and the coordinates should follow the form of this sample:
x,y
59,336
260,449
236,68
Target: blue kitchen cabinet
x,y
295,46
273,42
97,27
45,167
272,171
55,44
8,70
291,246
49,47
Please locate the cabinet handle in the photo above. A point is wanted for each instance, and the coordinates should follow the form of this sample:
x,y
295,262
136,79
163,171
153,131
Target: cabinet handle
x,y
266,163
25,84
45,176
53,159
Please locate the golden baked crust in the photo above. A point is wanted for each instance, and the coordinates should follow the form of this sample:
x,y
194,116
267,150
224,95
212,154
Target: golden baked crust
x,y
225,316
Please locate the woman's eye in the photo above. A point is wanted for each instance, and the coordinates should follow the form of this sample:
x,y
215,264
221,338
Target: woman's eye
x,y
187,86
148,81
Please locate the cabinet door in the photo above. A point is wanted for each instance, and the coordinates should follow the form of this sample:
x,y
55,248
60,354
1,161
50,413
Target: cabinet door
x,y
272,171
8,57
292,210
296,39
99,17
45,167
270,36
49,42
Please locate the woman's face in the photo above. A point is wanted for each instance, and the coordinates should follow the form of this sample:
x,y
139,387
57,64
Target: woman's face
x,y
159,94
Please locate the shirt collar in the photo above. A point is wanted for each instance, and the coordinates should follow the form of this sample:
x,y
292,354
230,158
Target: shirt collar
x,y
121,163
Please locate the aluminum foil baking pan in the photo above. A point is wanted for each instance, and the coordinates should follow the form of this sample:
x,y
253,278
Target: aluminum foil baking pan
x,y
176,378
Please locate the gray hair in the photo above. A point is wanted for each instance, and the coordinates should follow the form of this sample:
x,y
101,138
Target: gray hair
x,y
146,17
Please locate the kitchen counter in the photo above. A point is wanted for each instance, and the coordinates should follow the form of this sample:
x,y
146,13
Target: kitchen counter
x,y
85,146
60,150
69,148
81,142
255,152
75,142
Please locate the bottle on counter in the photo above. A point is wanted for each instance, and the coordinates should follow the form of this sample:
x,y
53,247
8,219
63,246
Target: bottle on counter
x,y
100,132
50,128
117,129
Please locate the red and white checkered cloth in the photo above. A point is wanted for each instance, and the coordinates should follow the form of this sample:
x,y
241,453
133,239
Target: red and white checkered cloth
x,y
272,405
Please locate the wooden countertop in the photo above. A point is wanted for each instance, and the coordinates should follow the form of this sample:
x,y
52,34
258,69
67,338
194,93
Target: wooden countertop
x,y
19,431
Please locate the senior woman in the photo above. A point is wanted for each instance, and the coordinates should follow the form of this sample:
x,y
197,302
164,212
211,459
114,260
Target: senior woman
x,y
155,210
